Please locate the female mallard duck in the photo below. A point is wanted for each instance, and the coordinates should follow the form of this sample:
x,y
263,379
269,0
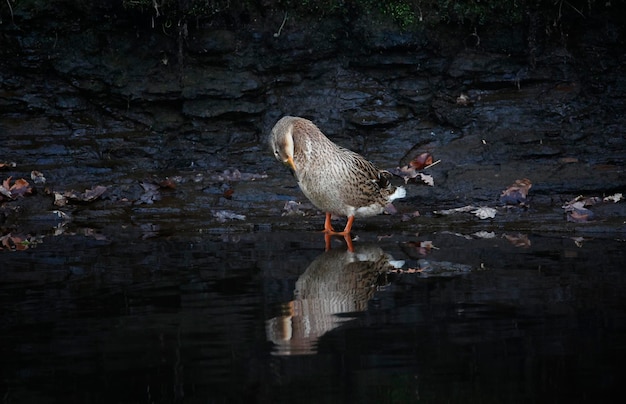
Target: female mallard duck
x,y
336,180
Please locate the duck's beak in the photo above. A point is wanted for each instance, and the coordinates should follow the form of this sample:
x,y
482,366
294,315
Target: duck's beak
x,y
289,162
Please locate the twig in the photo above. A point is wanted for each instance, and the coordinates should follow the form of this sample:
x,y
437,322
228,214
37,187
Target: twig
x,y
10,9
156,8
430,165
575,9
277,34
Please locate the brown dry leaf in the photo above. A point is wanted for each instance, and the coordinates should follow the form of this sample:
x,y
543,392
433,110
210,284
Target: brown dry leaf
x,y
13,243
61,199
422,247
228,193
421,160
516,193
576,210
580,201
409,173
518,240
4,165
409,215
21,187
93,193
579,214
168,183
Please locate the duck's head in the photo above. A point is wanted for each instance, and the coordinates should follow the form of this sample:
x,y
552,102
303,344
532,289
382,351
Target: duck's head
x,y
281,141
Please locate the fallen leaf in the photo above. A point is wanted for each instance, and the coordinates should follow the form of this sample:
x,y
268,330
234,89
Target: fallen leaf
x,y
421,247
581,215
613,198
436,268
37,177
228,194
518,240
168,183
151,193
5,191
292,208
61,199
462,99
485,212
12,242
577,212
236,175
427,179
444,212
93,193
516,193
20,188
408,216
224,215
422,160
411,171
581,201
485,234
5,165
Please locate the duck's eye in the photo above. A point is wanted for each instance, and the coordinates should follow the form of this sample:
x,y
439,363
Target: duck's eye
x,y
276,153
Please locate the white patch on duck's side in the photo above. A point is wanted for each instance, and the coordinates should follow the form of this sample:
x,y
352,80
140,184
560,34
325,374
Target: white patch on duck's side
x,y
400,193
376,208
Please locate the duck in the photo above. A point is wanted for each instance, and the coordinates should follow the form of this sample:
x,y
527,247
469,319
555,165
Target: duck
x,y
335,179
336,282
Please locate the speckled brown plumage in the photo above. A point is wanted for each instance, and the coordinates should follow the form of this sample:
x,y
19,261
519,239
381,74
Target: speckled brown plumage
x,y
335,179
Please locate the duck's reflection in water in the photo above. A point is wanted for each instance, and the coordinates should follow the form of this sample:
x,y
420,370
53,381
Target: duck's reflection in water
x,y
338,281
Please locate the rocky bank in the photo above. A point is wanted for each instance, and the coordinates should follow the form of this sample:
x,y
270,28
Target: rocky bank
x,y
104,95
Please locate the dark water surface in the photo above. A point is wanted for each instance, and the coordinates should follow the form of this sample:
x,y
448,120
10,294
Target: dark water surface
x,y
125,316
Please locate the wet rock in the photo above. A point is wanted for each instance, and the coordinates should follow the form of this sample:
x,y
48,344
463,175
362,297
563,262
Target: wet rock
x,y
212,108
212,42
217,82
485,67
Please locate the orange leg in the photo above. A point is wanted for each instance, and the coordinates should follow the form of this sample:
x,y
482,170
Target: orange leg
x,y
329,231
346,238
327,237
328,227
346,230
